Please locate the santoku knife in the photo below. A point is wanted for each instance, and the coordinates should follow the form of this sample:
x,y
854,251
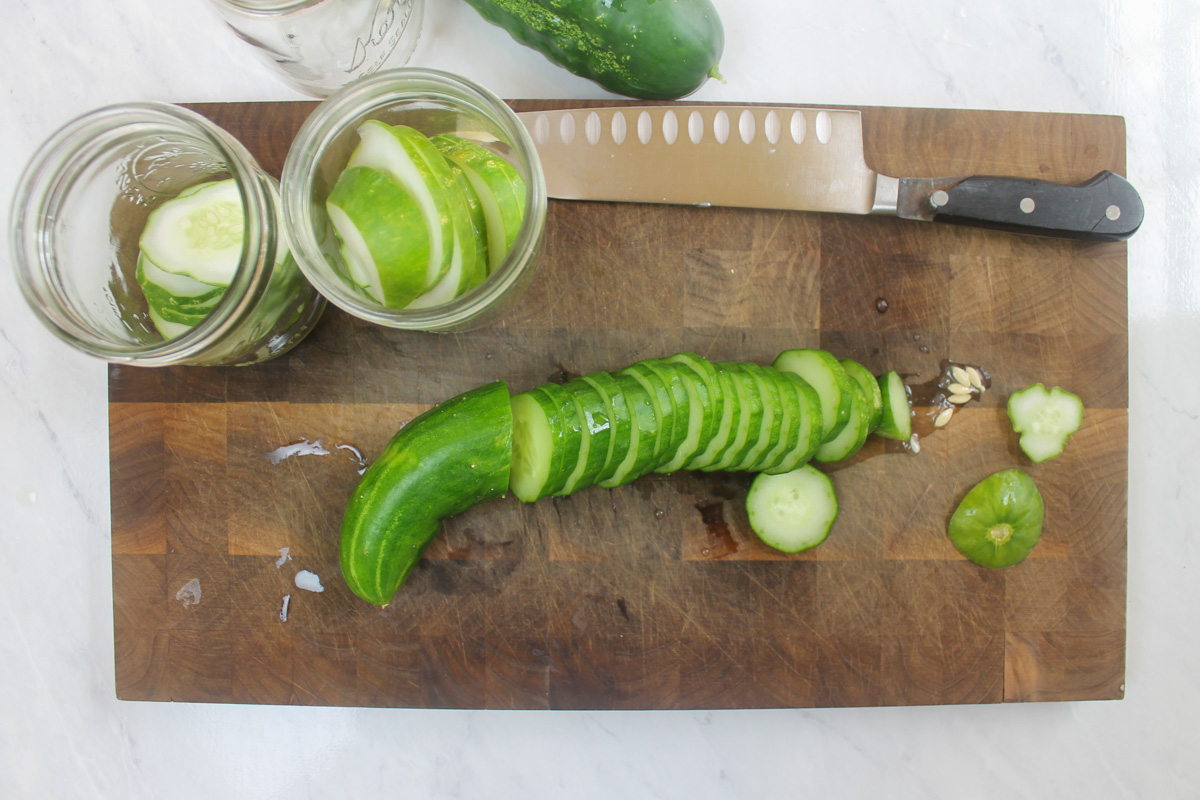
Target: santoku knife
x,y
805,159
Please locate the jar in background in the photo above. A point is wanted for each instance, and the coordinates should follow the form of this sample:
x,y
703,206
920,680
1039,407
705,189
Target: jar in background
x,y
431,102
77,220
319,45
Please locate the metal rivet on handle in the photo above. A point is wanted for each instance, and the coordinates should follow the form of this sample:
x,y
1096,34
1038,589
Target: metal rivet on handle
x,y
1113,212
1027,205
939,198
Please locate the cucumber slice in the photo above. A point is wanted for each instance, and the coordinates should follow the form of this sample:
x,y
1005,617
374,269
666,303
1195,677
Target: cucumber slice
x,y
643,432
536,456
896,420
681,404
620,419
866,381
828,377
810,430
386,242
789,419
500,188
1045,418
854,435
750,414
198,233
663,405
596,432
411,160
726,425
792,511
704,411
767,437
567,428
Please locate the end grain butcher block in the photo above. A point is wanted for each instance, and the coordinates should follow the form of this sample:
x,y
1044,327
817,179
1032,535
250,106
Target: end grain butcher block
x,y
226,483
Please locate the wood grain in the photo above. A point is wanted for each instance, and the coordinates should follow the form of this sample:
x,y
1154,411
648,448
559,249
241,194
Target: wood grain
x,y
655,595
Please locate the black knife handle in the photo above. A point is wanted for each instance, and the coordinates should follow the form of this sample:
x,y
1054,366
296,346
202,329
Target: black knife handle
x,y
1106,208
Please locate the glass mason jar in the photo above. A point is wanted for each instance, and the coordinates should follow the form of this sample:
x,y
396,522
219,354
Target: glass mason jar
x,y
75,229
432,102
319,45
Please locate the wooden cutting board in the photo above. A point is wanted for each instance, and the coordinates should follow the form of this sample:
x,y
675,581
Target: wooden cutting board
x,y
655,595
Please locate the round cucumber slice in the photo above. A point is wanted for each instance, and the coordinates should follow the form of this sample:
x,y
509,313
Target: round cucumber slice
x,y
828,377
792,511
386,242
198,233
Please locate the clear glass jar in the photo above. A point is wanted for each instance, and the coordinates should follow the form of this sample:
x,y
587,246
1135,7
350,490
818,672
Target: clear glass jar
x,y
77,217
432,102
317,46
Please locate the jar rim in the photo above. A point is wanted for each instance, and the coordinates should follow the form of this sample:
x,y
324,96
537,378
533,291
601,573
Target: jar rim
x,y
47,182
370,95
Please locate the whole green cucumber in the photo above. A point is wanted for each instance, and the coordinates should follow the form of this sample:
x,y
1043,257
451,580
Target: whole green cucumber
x,y
448,459
649,49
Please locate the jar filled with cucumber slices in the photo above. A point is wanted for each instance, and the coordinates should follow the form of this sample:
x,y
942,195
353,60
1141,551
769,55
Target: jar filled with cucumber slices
x,y
415,199
145,234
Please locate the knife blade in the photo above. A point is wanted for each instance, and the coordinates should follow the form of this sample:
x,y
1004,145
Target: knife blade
x,y
798,158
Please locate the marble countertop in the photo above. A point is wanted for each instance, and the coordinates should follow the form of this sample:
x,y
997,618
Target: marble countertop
x,y
64,734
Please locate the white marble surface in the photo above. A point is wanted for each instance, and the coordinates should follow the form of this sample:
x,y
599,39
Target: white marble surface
x,y
63,733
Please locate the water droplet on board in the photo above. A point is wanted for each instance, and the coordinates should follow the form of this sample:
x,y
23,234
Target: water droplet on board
x,y
881,305
659,513
189,593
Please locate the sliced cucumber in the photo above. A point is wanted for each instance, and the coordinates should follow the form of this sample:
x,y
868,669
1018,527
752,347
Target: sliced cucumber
x,y
809,434
681,404
748,415
866,381
198,233
1045,418
663,405
567,427
536,455
620,420
895,421
828,377
854,435
500,188
792,511
726,426
767,435
790,420
386,240
411,160
643,433
704,410
595,433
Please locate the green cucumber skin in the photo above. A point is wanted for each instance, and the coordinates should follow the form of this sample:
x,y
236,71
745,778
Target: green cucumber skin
x,y
648,49
450,458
